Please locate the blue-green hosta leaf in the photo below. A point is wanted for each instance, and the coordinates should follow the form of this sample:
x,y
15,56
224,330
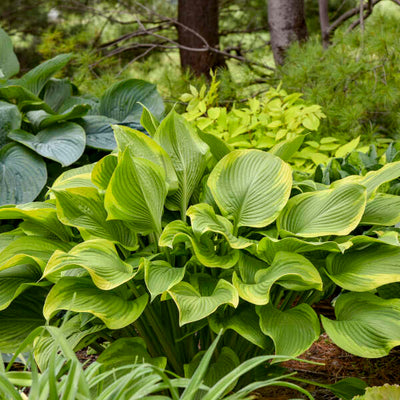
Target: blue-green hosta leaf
x,y
84,209
193,306
123,100
23,174
188,154
365,269
293,331
80,295
10,118
36,78
149,121
335,211
98,257
42,215
383,209
290,270
23,98
9,64
136,193
268,247
203,219
160,276
143,146
251,187
63,143
103,170
365,325
56,92
99,132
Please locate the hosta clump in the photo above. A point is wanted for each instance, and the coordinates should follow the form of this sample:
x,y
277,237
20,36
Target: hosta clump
x,y
175,238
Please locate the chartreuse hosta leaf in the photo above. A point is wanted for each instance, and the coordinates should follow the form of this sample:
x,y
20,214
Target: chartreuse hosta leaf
x,y
81,295
365,269
251,187
149,121
143,146
136,193
293,331
365,325
103,170
326,212
188,154
161,276
385,392
204,247
98,257
83,208
383,209
197,303
290,270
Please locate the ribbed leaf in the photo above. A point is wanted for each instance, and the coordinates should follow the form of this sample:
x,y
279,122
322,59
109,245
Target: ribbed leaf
x,y
9,64
149,121
22,176
287,148
365,269
10,118
251,187
290,270
56,92
83,208
365,325
385,392
63,143
99,133
98,257
193,306
103,170
80,295
136,193
293,331
383,209
327,212
188,154
218,147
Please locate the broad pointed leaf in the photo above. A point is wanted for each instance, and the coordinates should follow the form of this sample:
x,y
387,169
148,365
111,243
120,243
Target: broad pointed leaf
x,y
9,64
10,118
99,132
56,92
149,121
383,209
103,170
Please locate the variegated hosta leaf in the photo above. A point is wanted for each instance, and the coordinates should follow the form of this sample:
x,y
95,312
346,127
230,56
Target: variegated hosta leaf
x,y
385,392
244,321
293,331
80,295
84,209
365,325
7,238
143,146
383,209
268,247
193,306
384,237
98,257
136,193
251,187
327,212
188,154
203,219
290,270
103,170
161,276
203,248
365,269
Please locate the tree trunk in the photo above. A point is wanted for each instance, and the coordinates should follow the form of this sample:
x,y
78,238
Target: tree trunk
x,y
198,29
324,22
286,24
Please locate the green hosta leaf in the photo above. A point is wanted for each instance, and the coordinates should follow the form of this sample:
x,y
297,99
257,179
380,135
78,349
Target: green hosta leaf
x,y
63,143
188,155
103,170
56,92
255,201
293,331
326,212
149,121
80,295
365,269
160,276
203,219
123,100
136,193
7,238
36,78
98,257
99,132
365,325
385,392
383,209
22,175
218,147
268,247
193,306
128,351
143,146
9,64
290,270
83,208
287,148
10,118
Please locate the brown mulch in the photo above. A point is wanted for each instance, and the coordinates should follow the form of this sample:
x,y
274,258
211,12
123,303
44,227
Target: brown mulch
x,y
85,358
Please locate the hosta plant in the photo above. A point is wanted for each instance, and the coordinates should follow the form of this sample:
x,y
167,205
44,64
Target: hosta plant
x,y
174,238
